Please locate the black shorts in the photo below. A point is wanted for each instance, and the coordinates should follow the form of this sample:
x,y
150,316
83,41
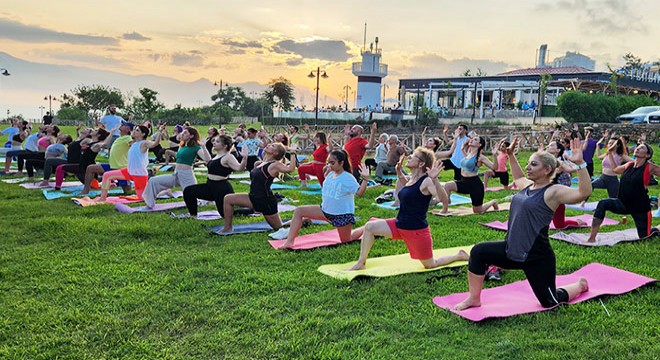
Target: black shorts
x,y
504,177
265,205
474,187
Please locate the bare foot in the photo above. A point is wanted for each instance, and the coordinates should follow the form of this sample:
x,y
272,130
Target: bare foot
x,y
467,303
584,285
591,240
357,266
166,193
286,245
581,222
496,207
227,230
462,255
44,183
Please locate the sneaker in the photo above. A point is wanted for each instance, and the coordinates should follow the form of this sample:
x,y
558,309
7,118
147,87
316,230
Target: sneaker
x,y
280,234
493,274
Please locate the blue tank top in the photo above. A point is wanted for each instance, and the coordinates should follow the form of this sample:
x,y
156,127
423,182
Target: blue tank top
x,y
414,206
470,164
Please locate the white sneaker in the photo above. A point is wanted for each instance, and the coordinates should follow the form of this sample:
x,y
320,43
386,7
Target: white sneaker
x,y
280,234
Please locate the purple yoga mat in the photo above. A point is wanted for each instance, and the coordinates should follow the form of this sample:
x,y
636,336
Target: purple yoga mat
x,y
50,184
517,298
587,218
158,207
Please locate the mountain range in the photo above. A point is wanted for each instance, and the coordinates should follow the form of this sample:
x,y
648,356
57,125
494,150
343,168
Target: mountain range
x,y
24,90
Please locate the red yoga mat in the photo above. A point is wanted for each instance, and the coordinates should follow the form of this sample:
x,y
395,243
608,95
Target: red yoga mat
x,y
517,298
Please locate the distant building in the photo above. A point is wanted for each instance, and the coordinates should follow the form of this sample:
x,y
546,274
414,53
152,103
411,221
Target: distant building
x,y
370,73
574,59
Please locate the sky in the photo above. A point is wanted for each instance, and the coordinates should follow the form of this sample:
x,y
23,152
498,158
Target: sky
x,y
242,41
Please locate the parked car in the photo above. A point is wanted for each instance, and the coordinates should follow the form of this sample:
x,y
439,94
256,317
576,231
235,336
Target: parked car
x,y
652,118
637,116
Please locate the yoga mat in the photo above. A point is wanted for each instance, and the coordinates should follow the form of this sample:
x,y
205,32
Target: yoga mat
x,y
465,211
251,227
517,298
312,192
390,265
123,208
215,215
589,206
65,184
16,181
243,175
311,241
602,239
51,194
455,200
587,218
87,201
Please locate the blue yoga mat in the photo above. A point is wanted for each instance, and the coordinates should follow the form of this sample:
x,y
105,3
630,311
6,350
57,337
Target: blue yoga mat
x,y
52,194
294,187
251,227
455,200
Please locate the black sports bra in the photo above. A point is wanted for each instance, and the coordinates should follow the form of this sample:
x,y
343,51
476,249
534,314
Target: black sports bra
x,y
215,167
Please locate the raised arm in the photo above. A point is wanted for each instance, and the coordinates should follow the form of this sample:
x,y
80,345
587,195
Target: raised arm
x,y
203,154
372,136
234,164
365,174
516,171
566,195
435,188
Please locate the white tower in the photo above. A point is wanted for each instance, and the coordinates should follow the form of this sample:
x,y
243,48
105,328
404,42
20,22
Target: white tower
x,y
370,72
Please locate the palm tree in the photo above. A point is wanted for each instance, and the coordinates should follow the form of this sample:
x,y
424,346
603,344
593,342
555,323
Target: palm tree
x,y
282,89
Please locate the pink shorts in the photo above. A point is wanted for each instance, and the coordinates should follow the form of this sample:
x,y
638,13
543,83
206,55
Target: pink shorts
x,y
419,242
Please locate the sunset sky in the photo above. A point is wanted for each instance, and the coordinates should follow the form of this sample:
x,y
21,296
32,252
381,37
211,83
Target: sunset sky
x,y
240,41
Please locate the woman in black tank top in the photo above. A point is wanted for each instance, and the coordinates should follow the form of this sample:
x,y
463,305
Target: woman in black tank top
x,y
633,196
261,198
217,184
410,224
526,245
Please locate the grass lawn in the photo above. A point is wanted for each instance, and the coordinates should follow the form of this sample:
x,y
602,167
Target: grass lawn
x,y
94,283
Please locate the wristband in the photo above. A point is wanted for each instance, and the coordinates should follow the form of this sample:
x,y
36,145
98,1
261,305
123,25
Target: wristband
x,y
581,166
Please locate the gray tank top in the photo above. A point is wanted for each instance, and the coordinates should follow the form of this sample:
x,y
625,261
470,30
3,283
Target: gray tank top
x,y
529,220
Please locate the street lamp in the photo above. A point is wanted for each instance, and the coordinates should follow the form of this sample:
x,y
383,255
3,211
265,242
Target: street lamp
x,y
318,77
346,87
384,86
50,99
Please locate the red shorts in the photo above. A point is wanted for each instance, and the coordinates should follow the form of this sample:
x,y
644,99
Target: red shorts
x,y
419,242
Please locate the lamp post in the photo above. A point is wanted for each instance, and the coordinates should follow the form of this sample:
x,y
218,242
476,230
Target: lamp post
x,y
384,86
346,88
50,99
318,78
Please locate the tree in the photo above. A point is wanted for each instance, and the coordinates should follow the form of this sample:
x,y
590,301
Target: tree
x,y
259,108
466,73
632,62
230,96
147,105
282,89
481,72
543,86
95,98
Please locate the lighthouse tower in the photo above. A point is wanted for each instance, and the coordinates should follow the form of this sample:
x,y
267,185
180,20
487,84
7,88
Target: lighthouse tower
x,y
370,72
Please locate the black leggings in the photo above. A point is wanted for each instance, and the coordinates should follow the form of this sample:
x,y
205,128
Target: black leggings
x,y
30,156
473,186
447,164
615,205
540,272
211,191
20,162
32,164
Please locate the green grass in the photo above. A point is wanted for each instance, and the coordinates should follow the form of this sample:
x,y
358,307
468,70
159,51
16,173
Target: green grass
x,y
94,283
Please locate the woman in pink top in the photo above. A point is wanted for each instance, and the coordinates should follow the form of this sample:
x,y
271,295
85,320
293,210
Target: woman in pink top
x,y
501,158
608,178
320,155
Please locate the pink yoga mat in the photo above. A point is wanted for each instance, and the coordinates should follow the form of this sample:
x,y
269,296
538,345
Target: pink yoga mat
x,y
312,241
587,218
517,298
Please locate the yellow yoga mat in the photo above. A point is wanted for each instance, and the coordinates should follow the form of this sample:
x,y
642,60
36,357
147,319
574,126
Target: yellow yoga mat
x,y
391,265
464,211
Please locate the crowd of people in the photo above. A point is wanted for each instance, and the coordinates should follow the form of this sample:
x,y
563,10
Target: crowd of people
x,y
545,183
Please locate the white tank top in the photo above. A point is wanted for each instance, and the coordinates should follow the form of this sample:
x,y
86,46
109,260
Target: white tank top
x,y
137,160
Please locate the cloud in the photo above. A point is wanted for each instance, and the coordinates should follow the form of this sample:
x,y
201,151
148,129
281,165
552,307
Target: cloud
x,y
604,16
241,43
434,65
14,30
186,59
78,57
333,50
294,61
135,36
